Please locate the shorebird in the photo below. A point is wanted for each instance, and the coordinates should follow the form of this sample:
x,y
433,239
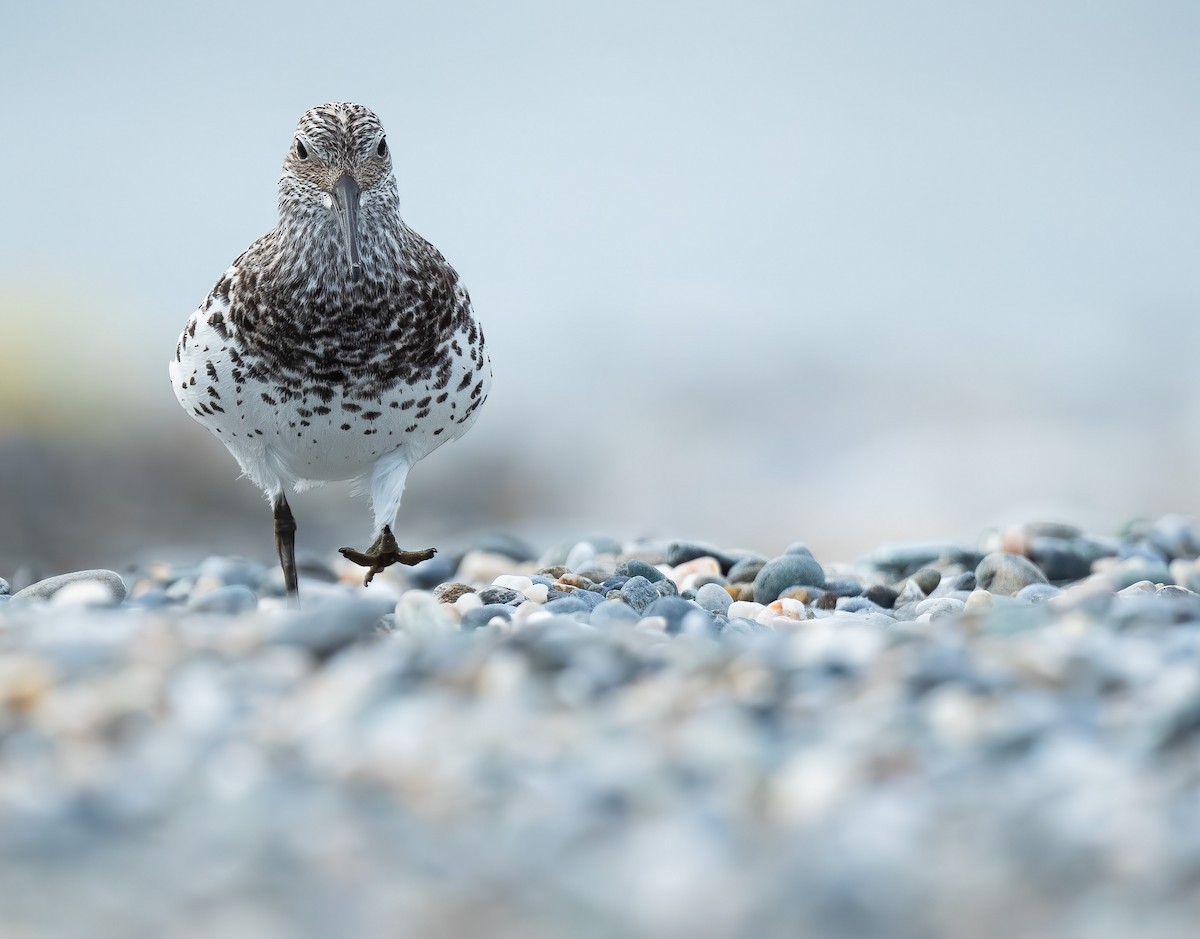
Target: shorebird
x,y
340,345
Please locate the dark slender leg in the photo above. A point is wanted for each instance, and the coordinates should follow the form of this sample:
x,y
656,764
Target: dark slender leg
x,y
384,552
285,544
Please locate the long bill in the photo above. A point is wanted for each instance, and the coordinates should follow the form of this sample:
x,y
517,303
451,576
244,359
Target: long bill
x,y
345,206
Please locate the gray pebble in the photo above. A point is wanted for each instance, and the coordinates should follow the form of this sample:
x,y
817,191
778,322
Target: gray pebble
x,y
790,570
713,598
673,610
741,628
613,613
927,578
1003,573
636,568
939,607
882,595
482,615
491,595
639,593
45,589
231,599
744,572
1134,569
1038,593
679,552
843,587
323,627
798,547
572,603
5,589
860,605
900,560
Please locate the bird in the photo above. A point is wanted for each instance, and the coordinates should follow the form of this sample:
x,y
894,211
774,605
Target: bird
x,y
340,345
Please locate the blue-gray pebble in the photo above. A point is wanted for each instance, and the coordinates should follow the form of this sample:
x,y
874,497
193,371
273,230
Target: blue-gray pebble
x,y
1003,573
790,570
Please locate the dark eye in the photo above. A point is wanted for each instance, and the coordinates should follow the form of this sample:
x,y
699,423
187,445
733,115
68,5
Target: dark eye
x,y
301,150
382,148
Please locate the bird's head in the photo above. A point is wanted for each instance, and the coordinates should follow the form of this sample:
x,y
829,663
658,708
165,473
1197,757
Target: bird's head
x,y
338,172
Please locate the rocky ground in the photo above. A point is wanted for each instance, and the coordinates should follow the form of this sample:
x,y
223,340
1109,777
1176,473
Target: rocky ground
x,y
653,739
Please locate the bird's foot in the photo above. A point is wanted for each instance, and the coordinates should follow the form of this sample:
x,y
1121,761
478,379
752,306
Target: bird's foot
x,y
384,552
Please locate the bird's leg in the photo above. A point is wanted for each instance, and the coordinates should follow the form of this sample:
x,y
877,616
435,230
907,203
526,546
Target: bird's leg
x,y
285,544
384,552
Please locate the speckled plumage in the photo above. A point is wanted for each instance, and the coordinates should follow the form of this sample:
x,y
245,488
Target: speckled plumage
x,y
310,368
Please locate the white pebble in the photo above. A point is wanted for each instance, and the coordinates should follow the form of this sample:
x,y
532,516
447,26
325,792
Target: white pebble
x,y
745,609
518,582
536,592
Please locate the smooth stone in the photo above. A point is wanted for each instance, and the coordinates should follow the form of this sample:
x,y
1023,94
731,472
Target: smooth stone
x,y
901,560
1061,560
517,582
799,547
482,615
744,571
738,628
927,578
939,607
493,595
843,587
1038,593
636,568
152,598
216,571
1177,536
449,593
231,599
666,588
323,627
713,598
744,609
680,552
699,624
5,589
672,609
573,603
859,605
790,570
882,595
639,593
1142,549
1003,573
609,614
45,589
1133,569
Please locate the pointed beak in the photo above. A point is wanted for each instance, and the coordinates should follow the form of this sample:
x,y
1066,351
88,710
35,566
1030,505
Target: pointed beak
x,y
345,207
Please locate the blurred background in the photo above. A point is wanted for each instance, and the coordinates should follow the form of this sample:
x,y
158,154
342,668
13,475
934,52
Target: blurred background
x,y
751,273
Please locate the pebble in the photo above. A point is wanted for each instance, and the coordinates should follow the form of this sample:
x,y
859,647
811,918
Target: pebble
x,y
639,593
790,570
906,746
673,610
232,599
1003,573
323,628
482,615
713,598
492,595
109,582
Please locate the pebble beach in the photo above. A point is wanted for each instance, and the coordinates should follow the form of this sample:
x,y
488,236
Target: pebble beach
x,y
606,738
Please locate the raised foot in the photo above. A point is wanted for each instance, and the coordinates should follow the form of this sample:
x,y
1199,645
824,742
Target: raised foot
x,y
384,553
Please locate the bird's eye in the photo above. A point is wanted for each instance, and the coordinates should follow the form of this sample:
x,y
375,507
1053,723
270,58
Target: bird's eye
x,y
301,150
382,148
